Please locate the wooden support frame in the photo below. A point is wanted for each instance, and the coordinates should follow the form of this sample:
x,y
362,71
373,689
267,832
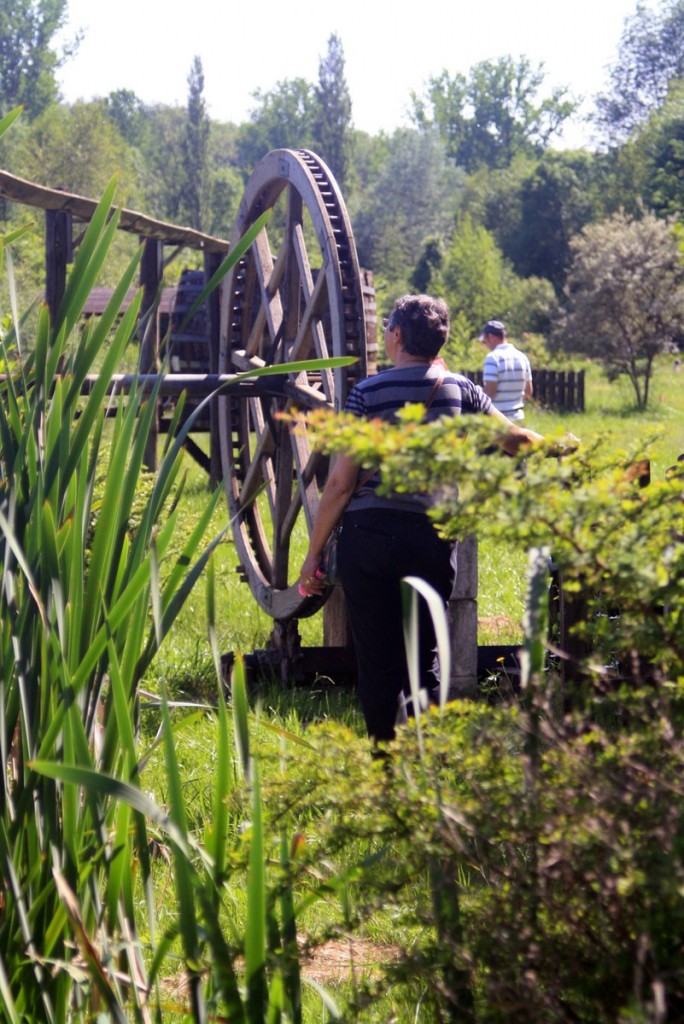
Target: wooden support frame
x,y
58,253
212,262
151,271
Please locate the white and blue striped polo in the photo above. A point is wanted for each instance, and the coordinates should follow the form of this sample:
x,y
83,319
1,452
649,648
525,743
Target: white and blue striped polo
x,y
510,370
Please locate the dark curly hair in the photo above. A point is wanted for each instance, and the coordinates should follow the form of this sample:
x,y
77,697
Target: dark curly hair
x,y
424,324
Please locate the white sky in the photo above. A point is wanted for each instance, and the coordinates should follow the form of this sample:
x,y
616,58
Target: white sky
x,y
390,48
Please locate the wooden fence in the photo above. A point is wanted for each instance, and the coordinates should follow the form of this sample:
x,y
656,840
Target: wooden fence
x,y
560,390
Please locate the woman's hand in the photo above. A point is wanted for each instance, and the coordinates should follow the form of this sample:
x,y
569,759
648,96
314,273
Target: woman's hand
x,y
311,579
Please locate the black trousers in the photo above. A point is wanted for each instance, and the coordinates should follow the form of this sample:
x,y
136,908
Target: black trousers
x,y
376,549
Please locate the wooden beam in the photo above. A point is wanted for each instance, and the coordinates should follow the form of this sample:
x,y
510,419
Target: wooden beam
x,y
19,190
212,261
150,279
57,255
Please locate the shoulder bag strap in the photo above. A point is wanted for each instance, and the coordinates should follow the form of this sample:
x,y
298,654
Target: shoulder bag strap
x,y
433,394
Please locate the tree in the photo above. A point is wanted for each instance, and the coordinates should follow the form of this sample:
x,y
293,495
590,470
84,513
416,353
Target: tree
x,y
428,265
473,277
195,143
127,112
494,114
535,206
662,144
28,62
414,194
478,283
284,118
648,169
625,296
78,149
162,148
225,181
333,115
651,56
557,199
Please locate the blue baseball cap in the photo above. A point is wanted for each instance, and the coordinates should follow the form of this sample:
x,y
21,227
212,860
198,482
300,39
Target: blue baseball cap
x,y
492,327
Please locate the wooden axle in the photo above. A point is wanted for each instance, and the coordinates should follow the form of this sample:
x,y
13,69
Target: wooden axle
x,y
202,385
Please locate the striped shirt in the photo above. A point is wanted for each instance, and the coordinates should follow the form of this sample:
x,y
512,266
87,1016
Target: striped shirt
x,y
510,370
381,396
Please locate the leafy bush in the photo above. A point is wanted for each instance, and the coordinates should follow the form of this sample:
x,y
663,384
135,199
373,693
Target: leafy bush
x,y
616,543
552,828
557,880
82,615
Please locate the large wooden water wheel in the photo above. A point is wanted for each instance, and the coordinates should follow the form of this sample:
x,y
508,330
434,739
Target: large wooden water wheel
x,y
296,295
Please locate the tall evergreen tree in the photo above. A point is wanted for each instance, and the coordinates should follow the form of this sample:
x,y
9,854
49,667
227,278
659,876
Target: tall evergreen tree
x,y
195,143
28,62
333,116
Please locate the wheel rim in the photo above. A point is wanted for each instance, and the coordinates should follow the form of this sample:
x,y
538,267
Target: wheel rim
x,y
295,295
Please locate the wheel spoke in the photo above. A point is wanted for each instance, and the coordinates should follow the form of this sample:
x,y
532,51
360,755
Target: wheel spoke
x,y
259,470
270,296
311,333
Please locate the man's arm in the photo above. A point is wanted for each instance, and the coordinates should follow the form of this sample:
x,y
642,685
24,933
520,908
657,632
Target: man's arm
x,y
528,389
514,437
490,376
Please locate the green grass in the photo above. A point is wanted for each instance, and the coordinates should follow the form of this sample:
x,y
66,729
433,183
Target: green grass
x,y
185,665
658,434
611,414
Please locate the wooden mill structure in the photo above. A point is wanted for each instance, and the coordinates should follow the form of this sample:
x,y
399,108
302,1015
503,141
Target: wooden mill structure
x,y
297,294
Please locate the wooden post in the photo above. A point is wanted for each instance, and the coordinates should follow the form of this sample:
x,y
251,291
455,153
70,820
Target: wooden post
x,y
463,618
58,253
212,261
150,280
572,401
370,315
336,631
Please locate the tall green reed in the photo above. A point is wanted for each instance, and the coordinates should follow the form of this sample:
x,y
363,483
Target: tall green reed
x,y
76,634
444,871
89,589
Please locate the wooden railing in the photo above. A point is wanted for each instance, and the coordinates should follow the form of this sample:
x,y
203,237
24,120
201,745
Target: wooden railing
x,y
560,390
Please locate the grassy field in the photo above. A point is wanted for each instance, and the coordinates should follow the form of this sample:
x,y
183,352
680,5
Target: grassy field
x,y
185,666
610,414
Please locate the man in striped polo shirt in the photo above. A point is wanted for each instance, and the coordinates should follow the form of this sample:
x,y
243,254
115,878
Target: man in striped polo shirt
x,y
507,377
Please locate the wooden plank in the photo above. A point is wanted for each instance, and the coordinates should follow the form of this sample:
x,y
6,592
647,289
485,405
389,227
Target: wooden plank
x,y
57,255
151,269
463,620
19,190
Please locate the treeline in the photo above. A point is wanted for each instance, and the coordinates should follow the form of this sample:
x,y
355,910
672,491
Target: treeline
x,y
472,201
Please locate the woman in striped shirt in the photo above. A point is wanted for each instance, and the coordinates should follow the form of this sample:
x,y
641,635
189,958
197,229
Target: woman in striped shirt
x,y
385,538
